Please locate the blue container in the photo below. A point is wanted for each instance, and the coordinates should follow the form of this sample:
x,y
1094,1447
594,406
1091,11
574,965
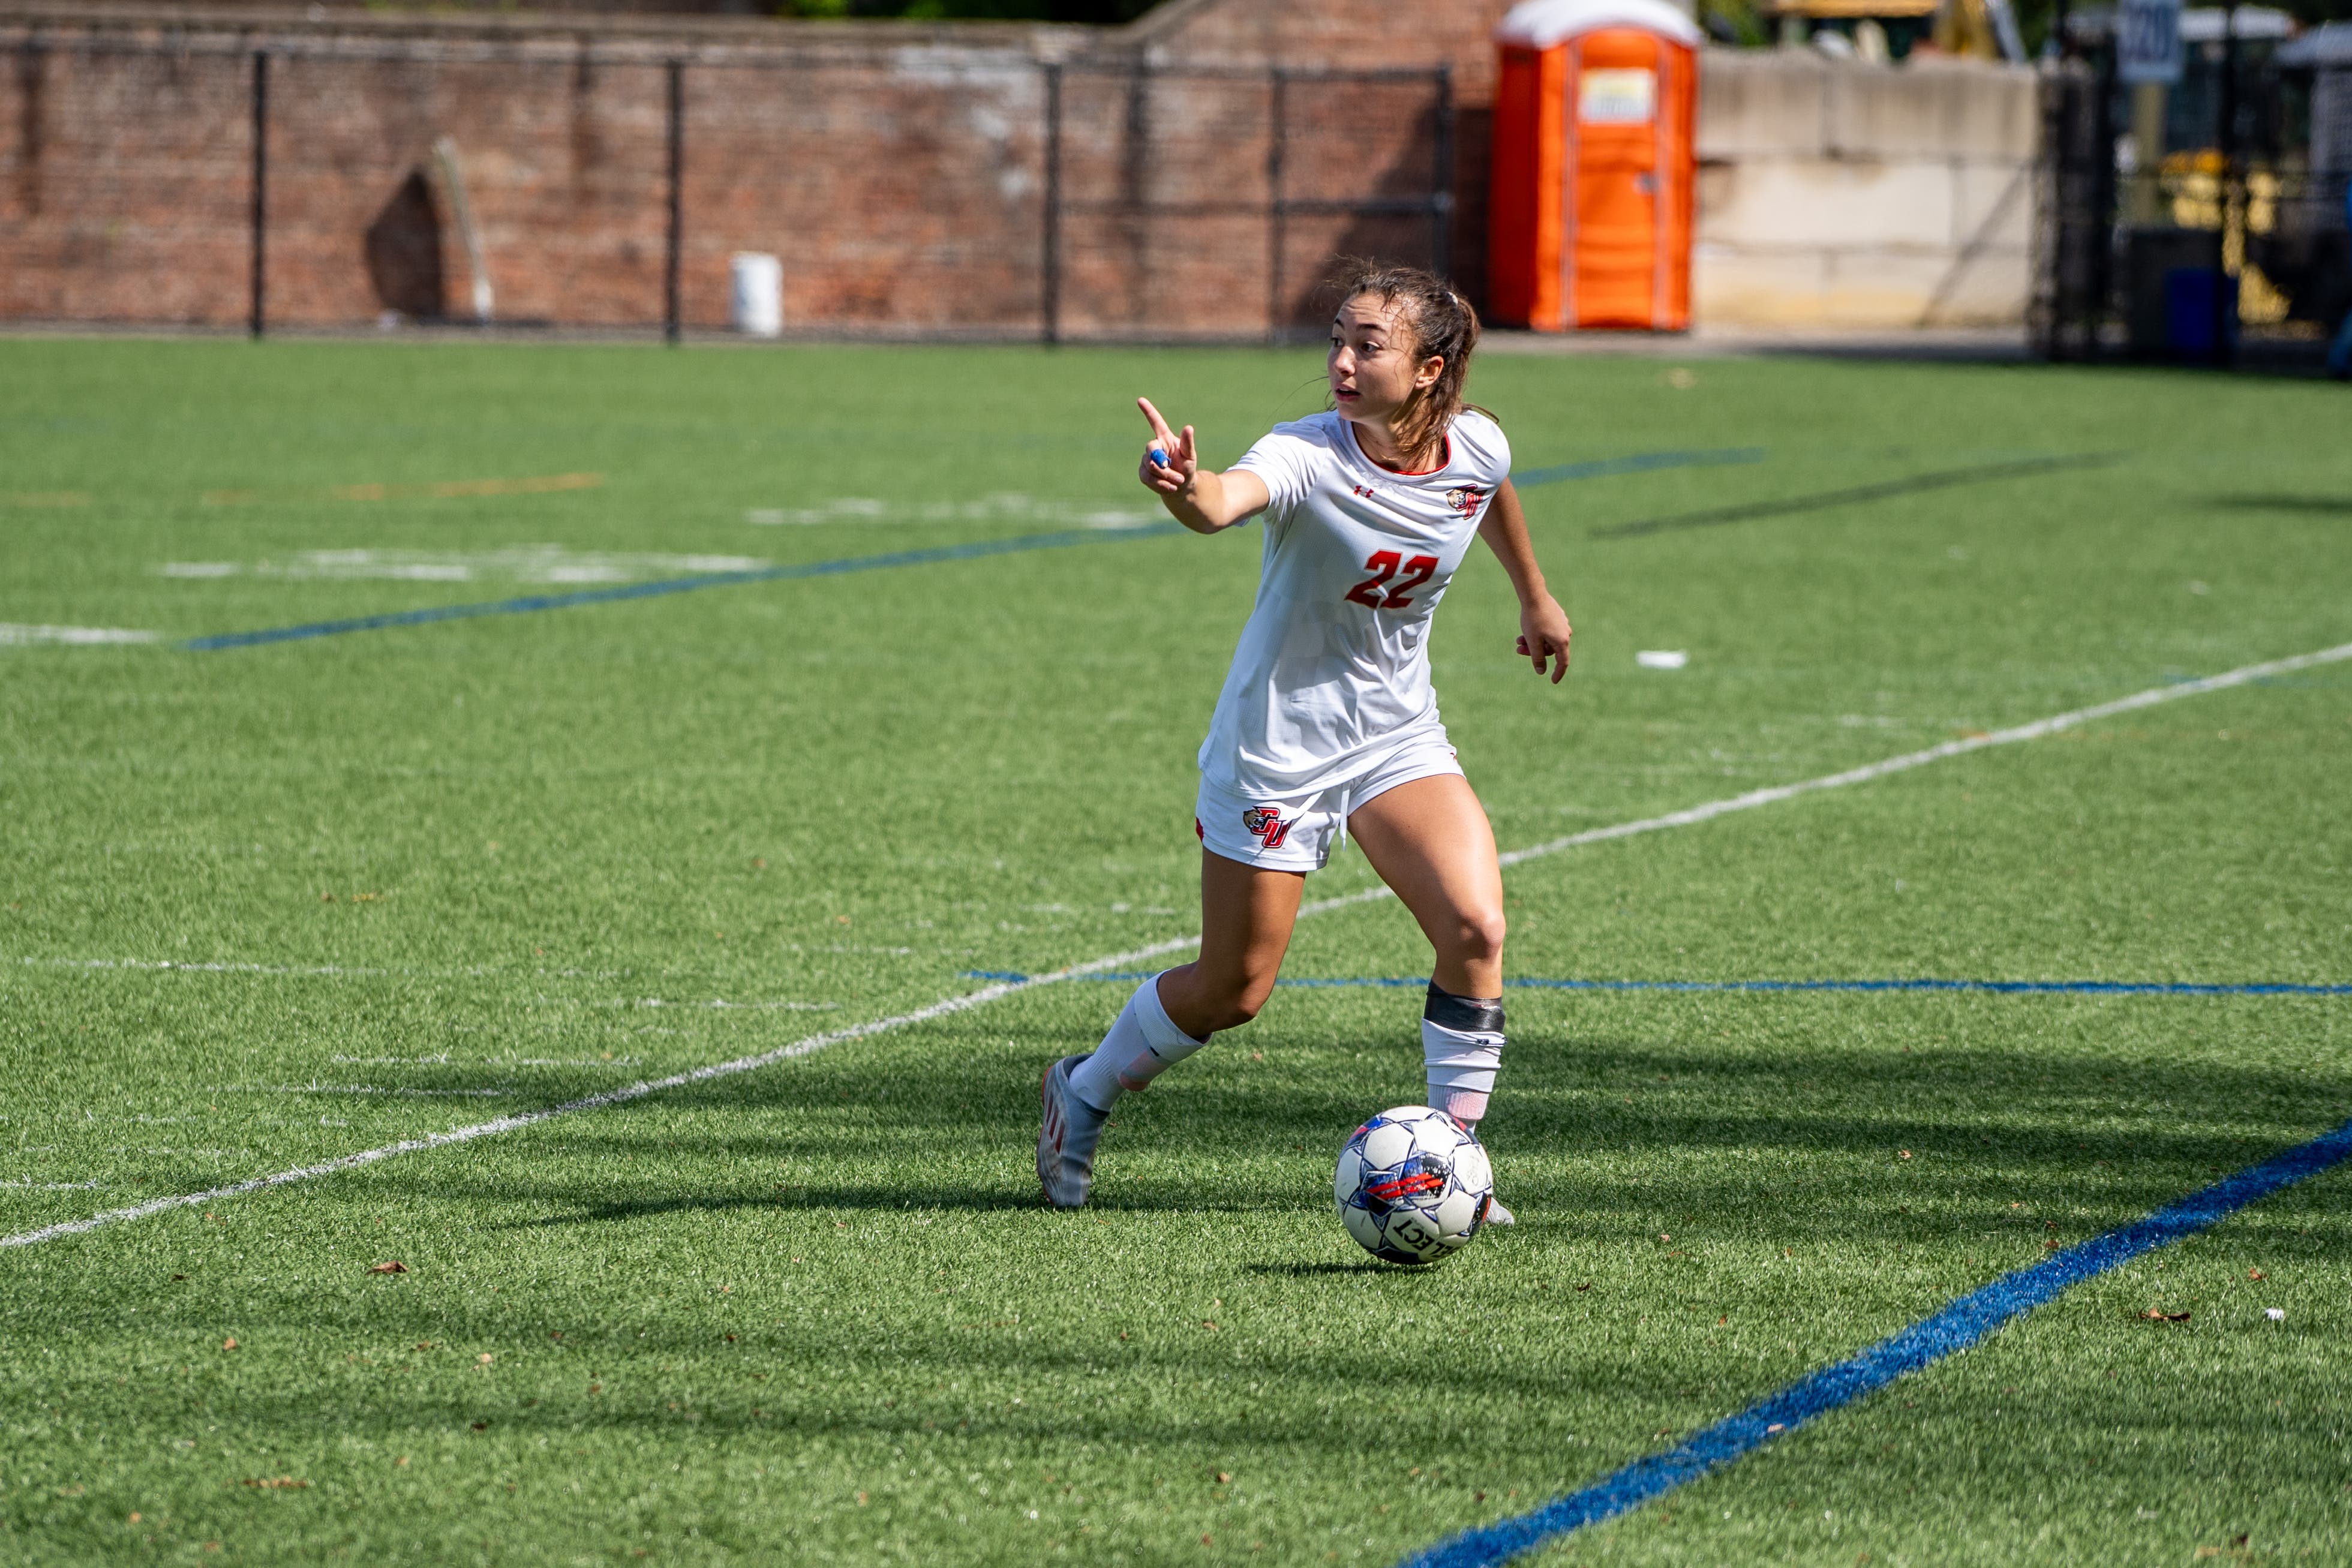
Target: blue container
x,y
2189,308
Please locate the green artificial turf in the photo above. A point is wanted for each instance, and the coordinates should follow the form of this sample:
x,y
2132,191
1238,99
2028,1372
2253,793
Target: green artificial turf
x,y
270,906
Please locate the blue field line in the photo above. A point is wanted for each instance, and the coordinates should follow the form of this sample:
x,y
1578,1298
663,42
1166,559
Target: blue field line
x,y
529,604
1958,1326
1638,463
1998,987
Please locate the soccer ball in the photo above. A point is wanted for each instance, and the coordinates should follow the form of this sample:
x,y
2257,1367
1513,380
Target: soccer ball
x,y
1413,1186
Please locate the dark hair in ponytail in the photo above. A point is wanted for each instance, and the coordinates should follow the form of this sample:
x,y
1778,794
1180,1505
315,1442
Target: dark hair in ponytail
x,y
1443,324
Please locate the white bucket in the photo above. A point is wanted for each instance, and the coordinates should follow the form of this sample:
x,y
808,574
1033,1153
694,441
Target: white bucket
x,y
758,308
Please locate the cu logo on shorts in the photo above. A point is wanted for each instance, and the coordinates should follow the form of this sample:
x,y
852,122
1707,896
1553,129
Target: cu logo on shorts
x,y
1265,825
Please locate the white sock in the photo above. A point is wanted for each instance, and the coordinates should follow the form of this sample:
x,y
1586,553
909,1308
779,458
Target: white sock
x,y
1142,1044
1460,1050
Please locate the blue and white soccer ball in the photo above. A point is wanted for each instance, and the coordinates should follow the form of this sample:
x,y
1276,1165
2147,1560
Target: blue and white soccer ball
x,y
1413,1186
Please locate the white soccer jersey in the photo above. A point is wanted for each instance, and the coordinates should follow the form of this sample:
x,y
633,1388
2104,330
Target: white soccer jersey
x,y
1331,675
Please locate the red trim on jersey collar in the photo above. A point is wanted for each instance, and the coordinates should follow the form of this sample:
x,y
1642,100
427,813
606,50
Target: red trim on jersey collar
x,y
1445,454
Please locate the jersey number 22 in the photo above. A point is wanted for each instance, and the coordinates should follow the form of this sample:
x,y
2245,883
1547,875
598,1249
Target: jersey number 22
x,y
1383,565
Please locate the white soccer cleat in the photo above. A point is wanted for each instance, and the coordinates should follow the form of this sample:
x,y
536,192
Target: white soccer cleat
x,y
1497,1215
1067,1139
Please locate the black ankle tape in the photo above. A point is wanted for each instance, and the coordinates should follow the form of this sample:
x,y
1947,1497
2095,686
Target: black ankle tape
x,y
1470,1015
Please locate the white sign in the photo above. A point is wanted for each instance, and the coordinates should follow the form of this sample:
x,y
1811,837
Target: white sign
x,y
2148,47
1616,97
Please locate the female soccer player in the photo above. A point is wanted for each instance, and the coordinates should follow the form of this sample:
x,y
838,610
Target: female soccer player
x,y
1327,724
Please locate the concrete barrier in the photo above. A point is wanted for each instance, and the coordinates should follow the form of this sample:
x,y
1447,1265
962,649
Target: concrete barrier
x,y
1839,194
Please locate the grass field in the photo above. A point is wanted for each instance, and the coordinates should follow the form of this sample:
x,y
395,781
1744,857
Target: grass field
x,y
269,906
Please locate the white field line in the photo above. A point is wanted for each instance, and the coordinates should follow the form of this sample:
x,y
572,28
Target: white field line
x,y
16,633
1774,794
547,564
622,1096
315,1088
207,968
950,1006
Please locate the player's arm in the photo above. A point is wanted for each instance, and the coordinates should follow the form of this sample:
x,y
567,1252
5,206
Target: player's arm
x,y
1201,499
1543,625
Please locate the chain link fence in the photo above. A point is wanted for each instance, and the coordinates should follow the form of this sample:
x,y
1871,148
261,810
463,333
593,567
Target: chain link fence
x,y
925,191
2203,223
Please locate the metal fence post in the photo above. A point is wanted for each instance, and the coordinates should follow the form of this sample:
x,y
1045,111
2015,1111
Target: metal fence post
x,y
671,321
2225,305
258,314
1049,283
2103,197
1277,211
1441,192
32,72
2047,267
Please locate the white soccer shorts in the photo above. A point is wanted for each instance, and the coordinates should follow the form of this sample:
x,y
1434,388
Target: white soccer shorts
x,y
1299,834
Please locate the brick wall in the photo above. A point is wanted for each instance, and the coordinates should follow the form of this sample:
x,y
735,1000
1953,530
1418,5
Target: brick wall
x,y
114,201
900,185
1363,33
899,172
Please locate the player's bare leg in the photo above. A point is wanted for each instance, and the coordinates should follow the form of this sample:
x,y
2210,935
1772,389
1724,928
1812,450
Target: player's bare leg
x,y
1431,843
1246,914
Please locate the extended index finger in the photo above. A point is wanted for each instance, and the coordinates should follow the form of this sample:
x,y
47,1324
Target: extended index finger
x,y
1159,426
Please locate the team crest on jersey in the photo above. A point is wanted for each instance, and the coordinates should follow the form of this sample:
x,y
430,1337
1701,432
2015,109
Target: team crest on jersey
x,y
1265,825
1466,498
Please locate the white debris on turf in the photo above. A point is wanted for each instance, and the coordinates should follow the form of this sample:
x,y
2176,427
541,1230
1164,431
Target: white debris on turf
x,y
2276,1314
1662,658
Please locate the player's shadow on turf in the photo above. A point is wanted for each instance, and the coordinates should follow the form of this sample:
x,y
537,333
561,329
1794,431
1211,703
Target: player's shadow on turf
x,y
834,1200
1312,1270
2315,505
614,1211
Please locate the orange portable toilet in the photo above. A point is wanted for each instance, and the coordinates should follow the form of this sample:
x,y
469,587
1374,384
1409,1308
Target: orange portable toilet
x,y
1594,163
